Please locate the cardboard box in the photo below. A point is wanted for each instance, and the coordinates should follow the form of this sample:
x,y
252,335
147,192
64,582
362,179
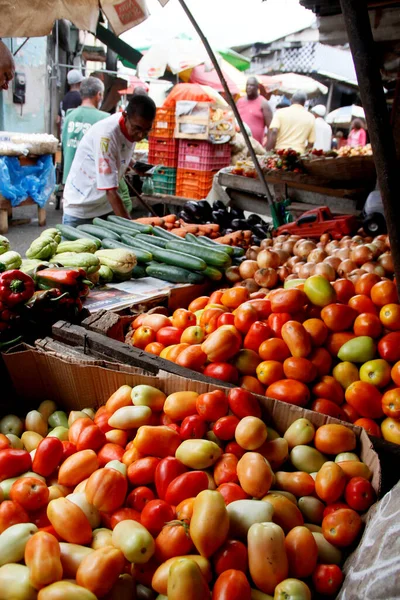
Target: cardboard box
x,y
38,376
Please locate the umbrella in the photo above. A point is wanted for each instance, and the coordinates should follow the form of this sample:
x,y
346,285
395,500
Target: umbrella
x,y
177,55
134,82
205,74
345,115
288,83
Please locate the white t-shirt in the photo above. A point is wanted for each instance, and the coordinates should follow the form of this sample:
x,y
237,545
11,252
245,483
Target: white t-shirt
x,y
101,160
323,135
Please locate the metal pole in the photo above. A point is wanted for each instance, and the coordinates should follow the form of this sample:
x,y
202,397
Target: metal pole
x,y
230,99
356,18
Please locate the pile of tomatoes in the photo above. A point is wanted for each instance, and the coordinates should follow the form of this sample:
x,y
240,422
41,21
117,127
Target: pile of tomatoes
x,y
184,496
331,346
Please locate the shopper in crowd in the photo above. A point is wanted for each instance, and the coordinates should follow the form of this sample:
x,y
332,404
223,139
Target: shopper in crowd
x,y
72,98
102,157
7,66
255,110
323,131
292,127
358,135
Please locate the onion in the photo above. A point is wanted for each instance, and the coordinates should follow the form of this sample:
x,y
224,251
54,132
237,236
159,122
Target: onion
x,y
316,256
233,274
375,250
386,260
294,238
297,244
267,243
326,270
266,278
247,269
357,240
283,273
346,267
297,267
283,256
380,244
293,260
268,259
292,276
288,247
250,284
281,238
361,254
355,275
343,253
253,252
307,270
374,267
334,261
277,246
368,239
305,248
325,238
331,246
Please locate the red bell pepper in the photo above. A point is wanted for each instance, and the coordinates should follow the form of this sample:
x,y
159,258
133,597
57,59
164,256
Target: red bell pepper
x,y
15,287
65,279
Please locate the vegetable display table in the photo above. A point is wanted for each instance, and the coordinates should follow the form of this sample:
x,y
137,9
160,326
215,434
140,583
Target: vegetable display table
x,y
6,212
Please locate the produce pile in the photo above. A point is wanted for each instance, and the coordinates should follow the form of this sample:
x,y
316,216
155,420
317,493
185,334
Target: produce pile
x,y
334,347
281,160
177,496
34,295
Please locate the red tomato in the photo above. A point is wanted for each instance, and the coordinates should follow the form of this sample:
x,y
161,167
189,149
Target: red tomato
x,y
327,579
231,492
234,448
243,404
167,470
370,426
48,456
4,442
289,390
222,371
350,412
68,450
363,304
276,320
384,292
274,349
391,402
338,317
110,452
327,407
14,462
122,514
231,555
225,427
187,485
245,316
39,517
193,427
182,318
256,335
331,508
359,494
101,420
344,289
173,540
225,469
365,398
155,514
329,388
342,527
169,336
212,405
12,513
142,471
139,497
389,346
226,319
322,361
390,316
30,493
232,585
366,282
367,324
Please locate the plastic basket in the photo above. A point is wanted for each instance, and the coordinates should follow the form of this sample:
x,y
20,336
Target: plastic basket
x,y
194,184
164,180
163,151
164,123
203,156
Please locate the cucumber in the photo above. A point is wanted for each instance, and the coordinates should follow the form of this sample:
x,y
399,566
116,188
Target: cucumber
x,y
138,272
212,273
99,232
130,224
173,274
70,233
142,256
152,239
215,258
171,257
113,227
163,233
231,250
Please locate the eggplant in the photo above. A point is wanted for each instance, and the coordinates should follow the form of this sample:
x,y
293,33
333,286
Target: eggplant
x,y
238,224
192,208
236,213
206,209
254,219
185,217
218,205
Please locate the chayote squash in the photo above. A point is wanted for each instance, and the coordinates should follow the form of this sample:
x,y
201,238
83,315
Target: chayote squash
x,y
42,248
53,233
81,245
11,260
105,274
119,260
29,265
83,260
4,244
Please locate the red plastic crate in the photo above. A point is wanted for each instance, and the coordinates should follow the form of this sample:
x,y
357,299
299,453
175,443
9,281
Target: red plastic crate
x,y
163,151
194,184
164,123
203,156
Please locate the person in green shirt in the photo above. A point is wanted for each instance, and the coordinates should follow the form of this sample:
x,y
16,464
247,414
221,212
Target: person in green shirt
x,y
79,120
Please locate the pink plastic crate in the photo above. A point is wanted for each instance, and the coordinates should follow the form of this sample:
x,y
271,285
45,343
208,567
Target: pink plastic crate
x,y
203,156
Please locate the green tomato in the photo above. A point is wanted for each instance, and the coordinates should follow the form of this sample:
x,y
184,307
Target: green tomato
x,y
292,589
15,441
59,432
376,372
359,350
134,541
344,456
319,291
11,424
312,509
307,459
58,418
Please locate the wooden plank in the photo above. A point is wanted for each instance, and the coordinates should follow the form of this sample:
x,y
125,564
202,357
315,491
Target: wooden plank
x,y
98,345
165,199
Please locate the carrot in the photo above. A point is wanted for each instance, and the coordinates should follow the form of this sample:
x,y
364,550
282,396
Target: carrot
x,y
168,226
151,221
191,228
170,218
179,232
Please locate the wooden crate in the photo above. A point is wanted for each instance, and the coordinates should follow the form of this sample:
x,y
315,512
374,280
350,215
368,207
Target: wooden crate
x,y
204,120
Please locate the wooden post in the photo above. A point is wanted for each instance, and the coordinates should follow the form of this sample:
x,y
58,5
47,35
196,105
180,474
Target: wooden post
x,y
356,18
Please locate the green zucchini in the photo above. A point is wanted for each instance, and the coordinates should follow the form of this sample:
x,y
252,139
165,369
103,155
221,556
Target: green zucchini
x,y
212,273
138,272
152,239
142,256
70,233
231,250
173,274
215,258
130,224
171,257
99,232
113,227
166,235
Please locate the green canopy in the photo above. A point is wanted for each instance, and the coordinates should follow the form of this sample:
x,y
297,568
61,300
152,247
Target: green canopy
x,y
126,54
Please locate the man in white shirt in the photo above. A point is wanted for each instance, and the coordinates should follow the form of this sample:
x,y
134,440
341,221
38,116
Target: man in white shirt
x,y
102,157
323,131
